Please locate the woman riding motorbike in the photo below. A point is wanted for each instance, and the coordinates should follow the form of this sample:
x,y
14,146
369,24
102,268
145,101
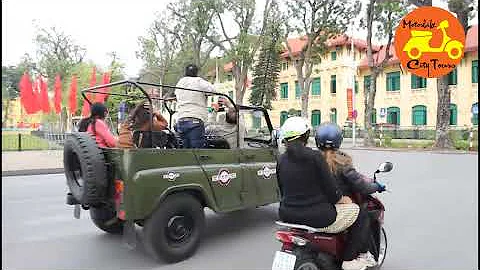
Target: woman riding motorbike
x,y
328,138
310,194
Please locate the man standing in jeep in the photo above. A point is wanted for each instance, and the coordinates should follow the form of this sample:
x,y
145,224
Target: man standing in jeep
x,y
192,108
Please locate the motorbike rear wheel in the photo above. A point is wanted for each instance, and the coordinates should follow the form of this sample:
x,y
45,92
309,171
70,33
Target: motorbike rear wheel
x,y
382,249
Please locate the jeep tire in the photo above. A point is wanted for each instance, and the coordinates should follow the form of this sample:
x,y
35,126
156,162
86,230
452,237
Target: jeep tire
x,y
105,218
85,169
174,230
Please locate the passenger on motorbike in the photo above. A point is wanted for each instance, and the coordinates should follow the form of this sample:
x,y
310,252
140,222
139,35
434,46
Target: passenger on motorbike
x,y
328,138
310,194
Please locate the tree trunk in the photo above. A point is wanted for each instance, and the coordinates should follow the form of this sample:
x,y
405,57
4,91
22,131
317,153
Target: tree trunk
x,y
6,109
240,79
369,139
442,138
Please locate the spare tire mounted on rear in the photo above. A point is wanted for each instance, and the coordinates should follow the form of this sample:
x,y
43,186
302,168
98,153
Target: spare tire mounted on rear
x,y
85,169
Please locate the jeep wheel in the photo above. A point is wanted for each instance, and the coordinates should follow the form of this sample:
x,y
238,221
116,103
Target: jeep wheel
x,y
85,169
173,231
105,219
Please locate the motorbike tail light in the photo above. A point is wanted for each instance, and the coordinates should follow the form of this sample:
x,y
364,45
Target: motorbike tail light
x,y
289,238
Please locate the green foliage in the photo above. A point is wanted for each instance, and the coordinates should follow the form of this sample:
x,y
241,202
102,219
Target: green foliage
x,y
267,69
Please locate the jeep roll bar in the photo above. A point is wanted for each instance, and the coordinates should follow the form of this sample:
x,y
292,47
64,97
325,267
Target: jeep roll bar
x,y
139,84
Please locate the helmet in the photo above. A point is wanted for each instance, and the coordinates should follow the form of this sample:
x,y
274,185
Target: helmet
x,y
328,135
293,128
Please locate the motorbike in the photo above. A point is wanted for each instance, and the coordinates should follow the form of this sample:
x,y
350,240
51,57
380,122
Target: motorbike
x,y
306,248
419,43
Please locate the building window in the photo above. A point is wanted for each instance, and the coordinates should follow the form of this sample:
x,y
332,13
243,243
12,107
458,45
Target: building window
x,y
356,87
283,117
475,114
452,77
333,115
229,77
284,90
393,115
418,82
453,114
366,83
373,117
316,118
475,71
297,90
284,65
393,81
419,115
257,122
230,94
333,55
333,84
293,112
316,89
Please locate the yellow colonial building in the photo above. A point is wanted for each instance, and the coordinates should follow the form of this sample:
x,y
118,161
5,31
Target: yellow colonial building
x,y
402,99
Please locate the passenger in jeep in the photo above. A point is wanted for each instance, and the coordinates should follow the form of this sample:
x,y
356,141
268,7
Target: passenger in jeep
x,y
96,126
139,120
192,108
225,125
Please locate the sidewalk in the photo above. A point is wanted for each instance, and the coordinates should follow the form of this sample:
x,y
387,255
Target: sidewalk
x,y
32,162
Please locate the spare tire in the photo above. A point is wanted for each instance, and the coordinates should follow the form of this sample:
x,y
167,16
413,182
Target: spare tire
x,y
85,169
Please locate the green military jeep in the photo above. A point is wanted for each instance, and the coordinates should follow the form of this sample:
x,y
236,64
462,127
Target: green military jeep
x,y
165,188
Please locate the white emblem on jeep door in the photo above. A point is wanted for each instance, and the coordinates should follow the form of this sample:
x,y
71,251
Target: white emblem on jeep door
x,y
171,176
266,172
224,177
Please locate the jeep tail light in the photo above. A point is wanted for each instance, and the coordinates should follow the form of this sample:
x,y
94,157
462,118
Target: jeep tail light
x,y
118,195
289,238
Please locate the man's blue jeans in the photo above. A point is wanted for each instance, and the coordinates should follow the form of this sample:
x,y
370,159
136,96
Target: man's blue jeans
x,y
192,132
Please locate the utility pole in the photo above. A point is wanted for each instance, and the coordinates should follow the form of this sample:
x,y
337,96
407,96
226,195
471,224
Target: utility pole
x,y
354,113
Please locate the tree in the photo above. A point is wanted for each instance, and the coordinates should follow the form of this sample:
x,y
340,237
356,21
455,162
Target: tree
x,y
462,9
267,67
241,48
386,15
316,21
57,52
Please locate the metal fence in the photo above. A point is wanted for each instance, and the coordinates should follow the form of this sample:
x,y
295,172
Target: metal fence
x,y
414,132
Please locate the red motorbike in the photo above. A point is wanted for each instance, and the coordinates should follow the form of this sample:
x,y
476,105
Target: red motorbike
x,y
305,248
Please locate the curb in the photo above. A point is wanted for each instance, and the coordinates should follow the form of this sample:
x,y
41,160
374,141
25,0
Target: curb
x,y
33,172
413,150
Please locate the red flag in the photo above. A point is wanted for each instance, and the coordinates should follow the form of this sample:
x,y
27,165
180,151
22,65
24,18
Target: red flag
x,y
103,96
36,106
73,95
45,104
57,98
26,93
93,82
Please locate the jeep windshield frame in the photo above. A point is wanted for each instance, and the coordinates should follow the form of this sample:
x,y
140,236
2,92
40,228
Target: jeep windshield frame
x,y
139,84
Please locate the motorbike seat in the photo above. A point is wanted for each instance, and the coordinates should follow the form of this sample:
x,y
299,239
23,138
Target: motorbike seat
x,y
417,33
302,227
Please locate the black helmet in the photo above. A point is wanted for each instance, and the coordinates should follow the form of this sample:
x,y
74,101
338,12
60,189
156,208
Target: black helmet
x,y
328,135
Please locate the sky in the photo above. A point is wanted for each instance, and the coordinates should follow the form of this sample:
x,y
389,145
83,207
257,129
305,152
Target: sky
x,y
100,26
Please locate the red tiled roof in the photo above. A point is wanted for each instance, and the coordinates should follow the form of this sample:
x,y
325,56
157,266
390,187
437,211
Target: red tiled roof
x,y
472,39
297,44
471,46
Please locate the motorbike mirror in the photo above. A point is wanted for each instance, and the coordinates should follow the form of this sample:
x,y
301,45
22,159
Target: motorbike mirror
x,y
385,167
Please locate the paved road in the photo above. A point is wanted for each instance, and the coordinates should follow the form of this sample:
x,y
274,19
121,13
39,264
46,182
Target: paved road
x,y
431,222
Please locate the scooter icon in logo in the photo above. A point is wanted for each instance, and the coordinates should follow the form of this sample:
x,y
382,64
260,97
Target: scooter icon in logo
x,y
419,43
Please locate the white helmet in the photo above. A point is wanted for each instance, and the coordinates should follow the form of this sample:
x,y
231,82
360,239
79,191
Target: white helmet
x,y
293,128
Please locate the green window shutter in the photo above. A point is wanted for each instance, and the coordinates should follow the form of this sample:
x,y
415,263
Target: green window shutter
x,y
452,77
374,116
316,118
333,55
419,115
333,115
414,81
257,122
393,115
230,94
418,82
475,115
393,81
475,71
297,90
366,83
333,84
284,90
356,87
283,117
316,87
453,114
